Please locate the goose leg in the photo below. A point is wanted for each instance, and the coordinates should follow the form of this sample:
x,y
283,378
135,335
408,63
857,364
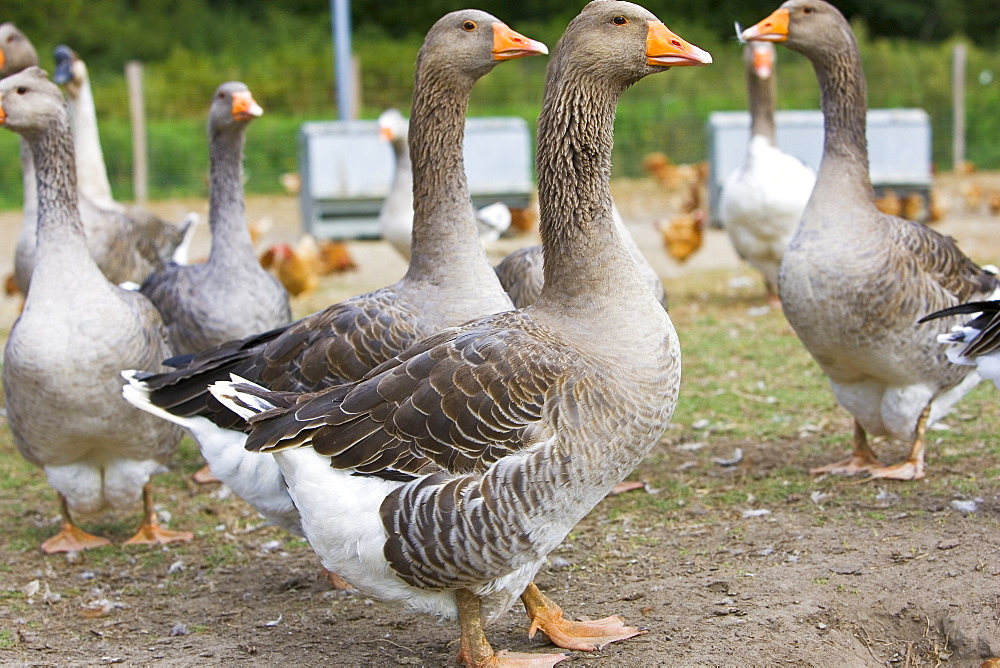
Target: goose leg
x,y
204,475
912,468
151,533
862,457
71,538
586,636
475,650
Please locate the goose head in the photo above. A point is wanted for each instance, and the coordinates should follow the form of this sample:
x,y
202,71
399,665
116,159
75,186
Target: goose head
x,y
760,58
232,107
392,126
16,51
466,44
811,27
30,103
612,38
70,71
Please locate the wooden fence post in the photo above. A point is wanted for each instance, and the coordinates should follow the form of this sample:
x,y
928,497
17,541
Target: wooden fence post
x,y
958,106
137,113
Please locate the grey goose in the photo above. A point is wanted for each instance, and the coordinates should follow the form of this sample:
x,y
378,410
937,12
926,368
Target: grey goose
x,y
444,477
854,281
61,362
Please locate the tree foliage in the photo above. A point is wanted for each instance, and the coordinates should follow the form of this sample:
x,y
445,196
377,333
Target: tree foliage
x,y
109,32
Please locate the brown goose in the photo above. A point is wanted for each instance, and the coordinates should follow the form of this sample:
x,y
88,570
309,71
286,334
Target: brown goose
x,y
127,245
521,272
229,296
60,372
450,471
854,281
449,280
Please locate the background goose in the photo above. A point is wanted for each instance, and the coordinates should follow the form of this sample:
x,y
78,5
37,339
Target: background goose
x,y
166,240
854,281
761,203
126,249
396,215
521,272
229,296
451,471
449,280
62,358
976,342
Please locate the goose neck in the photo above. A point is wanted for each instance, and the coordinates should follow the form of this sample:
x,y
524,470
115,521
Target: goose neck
x,y
91,170
444,228
226,215
61,242
844,100
586,263
762,93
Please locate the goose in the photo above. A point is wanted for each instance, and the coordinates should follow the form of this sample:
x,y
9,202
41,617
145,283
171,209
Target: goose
x,y
449,279
62,358
761,202
976,342
127,244
91,173
442,479
395,217
854,281
229,296
521,272
164,238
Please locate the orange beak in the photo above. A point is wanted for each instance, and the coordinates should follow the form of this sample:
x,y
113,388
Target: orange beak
x,y
772,29
3,59
385,134
665,49
3,115
508,44
244,106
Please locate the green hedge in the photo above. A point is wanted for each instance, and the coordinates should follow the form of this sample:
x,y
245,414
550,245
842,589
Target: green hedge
x,y
662,113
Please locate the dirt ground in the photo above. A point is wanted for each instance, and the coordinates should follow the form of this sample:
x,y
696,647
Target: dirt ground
x,y
843,573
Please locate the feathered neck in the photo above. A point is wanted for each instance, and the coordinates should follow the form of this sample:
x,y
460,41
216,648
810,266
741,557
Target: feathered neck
x,y
762,93
844,94
586,263
226,216
444,228
61,250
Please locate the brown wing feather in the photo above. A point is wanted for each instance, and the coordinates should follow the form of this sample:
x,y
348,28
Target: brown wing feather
x,y
338,344
460,400
938,255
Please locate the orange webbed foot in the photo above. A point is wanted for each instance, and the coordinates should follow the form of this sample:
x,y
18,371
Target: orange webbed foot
x,y
154,534
72,539
907,470
850,466
587,636
204,476
505,659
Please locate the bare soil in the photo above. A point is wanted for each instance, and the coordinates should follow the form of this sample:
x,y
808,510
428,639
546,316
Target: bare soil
x,y
830,573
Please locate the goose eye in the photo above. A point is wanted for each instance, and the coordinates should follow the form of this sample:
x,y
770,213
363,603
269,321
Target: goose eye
x,y
21,90
807,10
469,26
619,20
